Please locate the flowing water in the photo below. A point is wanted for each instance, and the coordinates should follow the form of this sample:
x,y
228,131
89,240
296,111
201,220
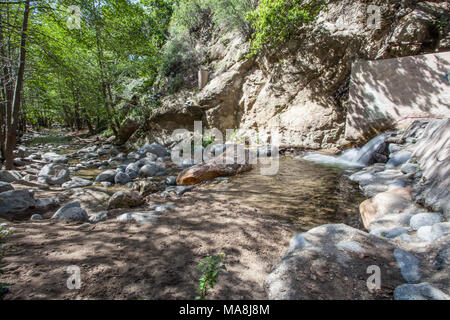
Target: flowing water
x,y
354,157
303,193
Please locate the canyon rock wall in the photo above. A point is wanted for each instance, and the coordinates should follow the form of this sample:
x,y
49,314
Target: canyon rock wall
x,y
301,87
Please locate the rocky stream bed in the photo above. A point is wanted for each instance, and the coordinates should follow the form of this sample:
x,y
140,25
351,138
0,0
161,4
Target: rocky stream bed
x,y
137,224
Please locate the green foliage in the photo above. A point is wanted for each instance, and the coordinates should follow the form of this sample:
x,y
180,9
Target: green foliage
x,y
208,139
232,14
275,21
47,140
4,232
210,267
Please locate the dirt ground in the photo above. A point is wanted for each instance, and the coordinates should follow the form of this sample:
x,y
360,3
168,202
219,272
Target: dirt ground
x,y
153,261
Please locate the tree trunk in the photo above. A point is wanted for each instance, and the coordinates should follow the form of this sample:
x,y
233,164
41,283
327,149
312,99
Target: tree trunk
x,y
15,106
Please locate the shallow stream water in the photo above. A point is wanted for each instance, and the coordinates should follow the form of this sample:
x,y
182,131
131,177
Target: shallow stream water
x,y
303,193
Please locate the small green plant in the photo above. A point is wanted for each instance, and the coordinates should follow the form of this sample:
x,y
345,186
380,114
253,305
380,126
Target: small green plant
x,y
4,232
210,267
208,139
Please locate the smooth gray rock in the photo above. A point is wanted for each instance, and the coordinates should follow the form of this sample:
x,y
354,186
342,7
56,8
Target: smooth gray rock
x,y
36,217
390,233
434,232
16,201
140,217
77,183
409,266
425,219
5,186
71,211
54,174
398,158
391,221
409,168
10,176
99,217
55,158
421,291
152,170
122,178
107,175
393,148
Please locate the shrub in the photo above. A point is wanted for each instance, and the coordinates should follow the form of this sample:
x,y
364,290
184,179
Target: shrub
x,y
274,21
210,267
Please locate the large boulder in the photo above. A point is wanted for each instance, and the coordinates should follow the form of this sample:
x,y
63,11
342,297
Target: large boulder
x,y
221,166
125,199
16,201
54,174
332,262
10,175
71,211
398,200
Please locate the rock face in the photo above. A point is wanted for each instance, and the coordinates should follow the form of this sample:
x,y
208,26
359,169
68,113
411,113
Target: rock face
x,y
125,199
54,174
16,201
433,154
389,202
328,262
301,78
71,211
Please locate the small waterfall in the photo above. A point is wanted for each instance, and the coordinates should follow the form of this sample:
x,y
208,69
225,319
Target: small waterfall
x,y
354,157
